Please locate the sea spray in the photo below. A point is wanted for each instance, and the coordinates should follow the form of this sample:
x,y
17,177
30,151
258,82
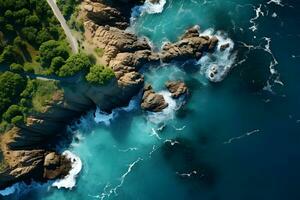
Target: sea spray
x,y
217,65
167,113
106,118
147,7
70,180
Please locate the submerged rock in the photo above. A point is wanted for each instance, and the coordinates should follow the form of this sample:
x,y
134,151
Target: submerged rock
x,y
177,88
152,101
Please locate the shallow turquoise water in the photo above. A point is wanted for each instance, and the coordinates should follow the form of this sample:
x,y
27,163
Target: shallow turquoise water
x,y
237,140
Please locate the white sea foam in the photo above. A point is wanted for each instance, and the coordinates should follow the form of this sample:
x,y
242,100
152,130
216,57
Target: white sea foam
x,y
167,113
218,64
70,180
106,118
147,7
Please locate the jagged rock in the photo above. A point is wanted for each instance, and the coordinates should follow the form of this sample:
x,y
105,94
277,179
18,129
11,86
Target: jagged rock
x,y
26,148
177,88
213,42
191,46
224,47
151,101
56,166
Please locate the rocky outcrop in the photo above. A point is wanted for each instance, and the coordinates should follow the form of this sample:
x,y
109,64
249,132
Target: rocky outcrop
x,y
56,166
113,13
190,46
28,149
152,101
26,165
177,89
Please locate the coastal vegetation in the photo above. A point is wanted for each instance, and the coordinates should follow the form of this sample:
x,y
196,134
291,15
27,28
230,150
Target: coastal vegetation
x,y
100,75
32,42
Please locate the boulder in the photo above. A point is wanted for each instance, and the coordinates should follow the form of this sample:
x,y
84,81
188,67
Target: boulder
x,y
190,46
56,166
177,88
224,47
152,101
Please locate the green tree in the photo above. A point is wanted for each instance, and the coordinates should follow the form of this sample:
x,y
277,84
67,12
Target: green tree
x,y
10,55
74,64
29,34
32,20
50,50
11,86
57,63
43,36
100,75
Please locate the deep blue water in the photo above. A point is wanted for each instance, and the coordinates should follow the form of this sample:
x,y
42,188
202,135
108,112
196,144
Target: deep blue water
x,y
234,140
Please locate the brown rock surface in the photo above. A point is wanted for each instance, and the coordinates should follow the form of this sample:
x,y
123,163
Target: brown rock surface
x,y
151,101
177,88
191,46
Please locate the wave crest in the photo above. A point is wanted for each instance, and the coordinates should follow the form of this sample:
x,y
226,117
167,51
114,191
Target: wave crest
x,y
217,65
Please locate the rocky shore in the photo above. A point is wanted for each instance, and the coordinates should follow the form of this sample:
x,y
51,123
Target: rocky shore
x,y
28,150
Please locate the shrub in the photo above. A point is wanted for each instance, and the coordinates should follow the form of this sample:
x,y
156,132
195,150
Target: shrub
x,y
74,64
50,50
18,119
57,63
11,86
16,68
99,75
12,112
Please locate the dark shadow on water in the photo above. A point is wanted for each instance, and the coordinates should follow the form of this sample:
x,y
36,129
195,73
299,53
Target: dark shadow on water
x,y
120,128
183,159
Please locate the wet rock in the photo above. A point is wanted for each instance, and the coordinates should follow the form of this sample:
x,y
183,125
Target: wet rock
x,y
213,43
177,88
152,101
224,47
191,46
56,166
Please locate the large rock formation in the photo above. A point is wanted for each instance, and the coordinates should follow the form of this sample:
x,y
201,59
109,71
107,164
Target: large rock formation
x,y
28,149
190,46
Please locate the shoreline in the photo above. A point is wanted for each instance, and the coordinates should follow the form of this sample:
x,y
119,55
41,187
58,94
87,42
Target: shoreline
x,y
126,54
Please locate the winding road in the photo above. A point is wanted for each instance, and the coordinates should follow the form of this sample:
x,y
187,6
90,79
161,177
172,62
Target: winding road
x,y
72,40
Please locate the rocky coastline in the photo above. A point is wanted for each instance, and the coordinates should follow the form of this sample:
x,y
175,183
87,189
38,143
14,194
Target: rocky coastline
x,y
28,149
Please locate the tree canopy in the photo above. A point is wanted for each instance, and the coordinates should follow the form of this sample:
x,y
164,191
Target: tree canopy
x,y
100,75
74,64
11,86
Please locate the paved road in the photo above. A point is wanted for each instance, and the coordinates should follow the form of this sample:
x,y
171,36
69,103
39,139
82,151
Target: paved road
x,y
62,21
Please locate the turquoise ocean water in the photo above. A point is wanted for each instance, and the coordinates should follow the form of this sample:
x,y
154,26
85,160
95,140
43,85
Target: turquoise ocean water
x,y
238,139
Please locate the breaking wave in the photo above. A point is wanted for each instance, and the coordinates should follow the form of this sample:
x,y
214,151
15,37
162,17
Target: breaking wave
x,y
148,7
106,118
217,65
167,113
70,180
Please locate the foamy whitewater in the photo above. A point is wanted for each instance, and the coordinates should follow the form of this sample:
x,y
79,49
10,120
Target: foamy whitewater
x,y
69,181
107,118
217,65
147,8
232,140
167,113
